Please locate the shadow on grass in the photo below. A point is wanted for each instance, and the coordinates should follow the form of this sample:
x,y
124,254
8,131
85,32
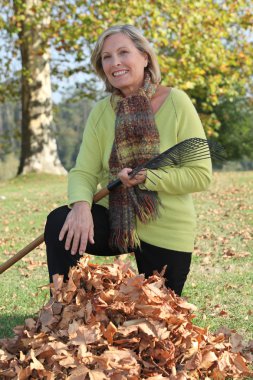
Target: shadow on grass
x,y
8,322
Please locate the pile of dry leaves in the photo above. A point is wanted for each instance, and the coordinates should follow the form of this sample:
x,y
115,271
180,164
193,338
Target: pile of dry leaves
x,y
107,322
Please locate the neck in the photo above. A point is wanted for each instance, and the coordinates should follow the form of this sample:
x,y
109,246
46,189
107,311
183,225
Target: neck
x,y
128,91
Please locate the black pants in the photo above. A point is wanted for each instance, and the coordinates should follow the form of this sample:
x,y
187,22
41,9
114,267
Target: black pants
x,y
149,258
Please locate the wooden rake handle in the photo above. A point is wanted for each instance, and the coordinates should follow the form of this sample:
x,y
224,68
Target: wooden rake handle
x,y
24,251
40,239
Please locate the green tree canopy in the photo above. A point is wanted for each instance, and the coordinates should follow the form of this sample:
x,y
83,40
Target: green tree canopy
x,y
236,132
204,47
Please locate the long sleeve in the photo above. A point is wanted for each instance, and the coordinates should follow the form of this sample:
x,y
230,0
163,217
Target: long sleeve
x,y
193,176
84,177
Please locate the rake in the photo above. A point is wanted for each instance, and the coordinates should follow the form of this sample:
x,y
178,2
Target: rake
x,y
189,150
192,149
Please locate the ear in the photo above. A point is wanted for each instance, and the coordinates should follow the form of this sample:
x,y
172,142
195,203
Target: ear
x,y
146,59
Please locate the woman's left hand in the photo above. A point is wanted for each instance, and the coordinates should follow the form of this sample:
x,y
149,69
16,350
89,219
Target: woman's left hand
x,y
129,181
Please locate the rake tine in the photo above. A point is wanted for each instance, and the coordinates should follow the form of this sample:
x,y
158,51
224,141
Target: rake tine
x,y
165,171
151,180
155,173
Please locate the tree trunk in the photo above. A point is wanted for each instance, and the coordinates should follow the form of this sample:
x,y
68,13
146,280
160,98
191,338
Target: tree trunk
x,y
38,144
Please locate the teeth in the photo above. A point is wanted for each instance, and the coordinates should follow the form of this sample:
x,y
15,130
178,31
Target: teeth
x,y
118,73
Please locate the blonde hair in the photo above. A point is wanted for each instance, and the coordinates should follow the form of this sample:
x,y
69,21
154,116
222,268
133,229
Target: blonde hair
x,y
140,42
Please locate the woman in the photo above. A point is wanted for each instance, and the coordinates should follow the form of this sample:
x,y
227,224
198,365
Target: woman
x,y
152,214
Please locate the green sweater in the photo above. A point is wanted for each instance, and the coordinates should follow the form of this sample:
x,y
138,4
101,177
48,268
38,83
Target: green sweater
x,y
176,120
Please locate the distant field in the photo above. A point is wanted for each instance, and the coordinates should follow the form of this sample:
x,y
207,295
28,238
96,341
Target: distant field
x,y
220,283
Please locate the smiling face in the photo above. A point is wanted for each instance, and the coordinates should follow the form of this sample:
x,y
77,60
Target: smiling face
x,y
123,63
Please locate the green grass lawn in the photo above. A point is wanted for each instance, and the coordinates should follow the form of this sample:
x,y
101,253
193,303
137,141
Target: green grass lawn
x,y
220,283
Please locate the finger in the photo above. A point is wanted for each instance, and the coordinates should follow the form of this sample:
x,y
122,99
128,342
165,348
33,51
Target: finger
x,y
140,176
142,172
91,235
69,239
63,231
83,244
75,243
125,172
128,171
139,179
124,180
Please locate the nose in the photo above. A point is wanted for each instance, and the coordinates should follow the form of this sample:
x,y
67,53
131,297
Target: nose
x,y
115,60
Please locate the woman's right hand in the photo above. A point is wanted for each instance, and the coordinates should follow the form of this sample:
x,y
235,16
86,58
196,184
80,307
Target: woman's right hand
x,y
79,228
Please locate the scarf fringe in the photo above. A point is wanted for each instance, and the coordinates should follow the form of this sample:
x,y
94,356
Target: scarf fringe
x,y
146,205
124,241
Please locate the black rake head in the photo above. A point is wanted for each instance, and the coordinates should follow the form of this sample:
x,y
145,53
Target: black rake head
x,y
192,149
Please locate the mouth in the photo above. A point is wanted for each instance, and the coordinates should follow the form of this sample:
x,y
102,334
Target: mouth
x,y
119,73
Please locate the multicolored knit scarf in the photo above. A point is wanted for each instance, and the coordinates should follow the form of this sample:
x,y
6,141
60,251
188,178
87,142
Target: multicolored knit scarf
x,y
136,141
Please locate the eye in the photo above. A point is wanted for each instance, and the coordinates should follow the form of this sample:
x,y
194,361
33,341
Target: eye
x,y
124,52
105,57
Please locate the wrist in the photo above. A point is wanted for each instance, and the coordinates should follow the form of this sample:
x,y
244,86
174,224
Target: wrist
x,y
81,204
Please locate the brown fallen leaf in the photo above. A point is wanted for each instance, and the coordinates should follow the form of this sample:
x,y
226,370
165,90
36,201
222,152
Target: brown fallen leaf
x,y
107,322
